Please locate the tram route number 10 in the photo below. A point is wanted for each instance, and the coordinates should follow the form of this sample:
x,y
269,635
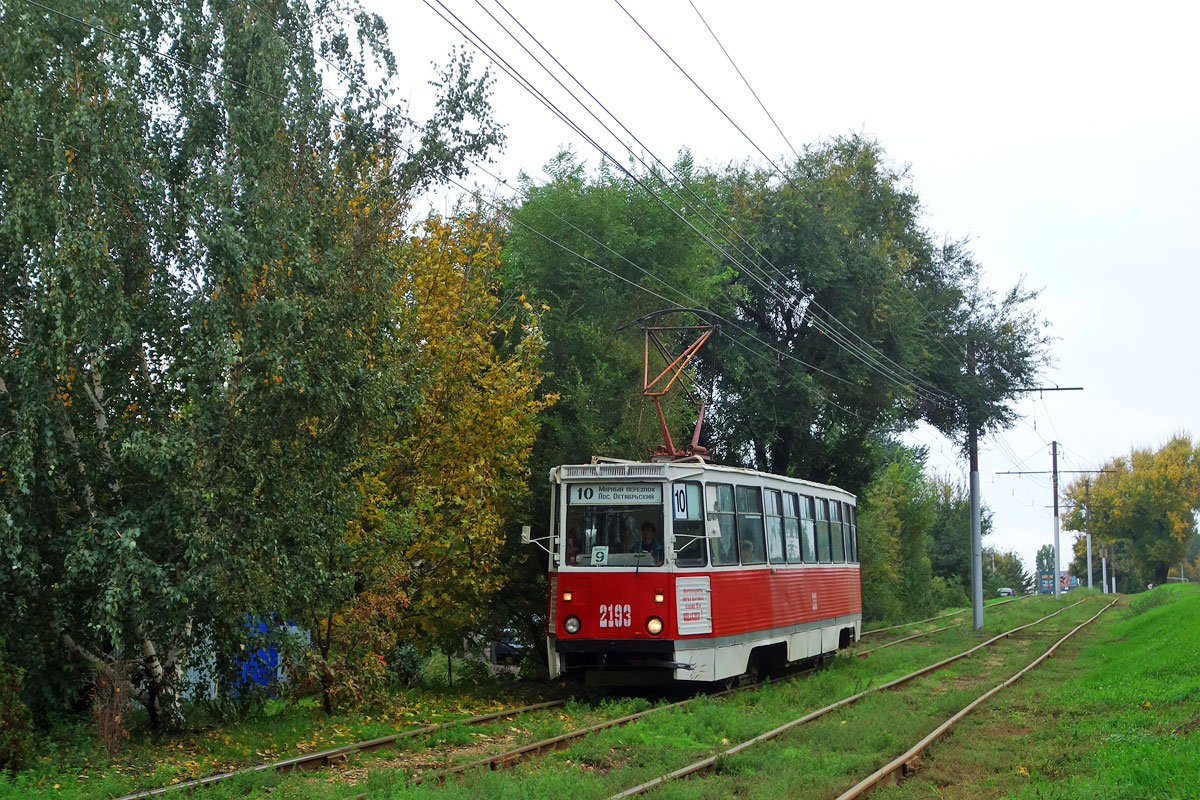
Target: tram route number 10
x,y
615,615
681,502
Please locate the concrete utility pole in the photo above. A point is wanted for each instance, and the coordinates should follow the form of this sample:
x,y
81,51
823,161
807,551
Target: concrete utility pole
x,y
1104,571
1087,523
1057,558
976,535
976,520
1054,473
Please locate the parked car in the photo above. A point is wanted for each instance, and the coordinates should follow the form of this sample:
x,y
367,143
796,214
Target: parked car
x,y
1007,592
507,649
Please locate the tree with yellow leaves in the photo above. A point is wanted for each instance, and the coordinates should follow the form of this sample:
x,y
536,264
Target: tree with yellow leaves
x,y
1144,506
437,487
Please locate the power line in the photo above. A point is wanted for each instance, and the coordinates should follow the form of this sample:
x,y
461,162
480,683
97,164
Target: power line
x,y
754,144
931,394
714,103
936,394
743,77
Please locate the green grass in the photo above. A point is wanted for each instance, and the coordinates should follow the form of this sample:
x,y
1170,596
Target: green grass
x,y
69,763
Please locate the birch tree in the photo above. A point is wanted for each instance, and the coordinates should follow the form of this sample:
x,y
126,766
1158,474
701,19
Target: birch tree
x,y
194,301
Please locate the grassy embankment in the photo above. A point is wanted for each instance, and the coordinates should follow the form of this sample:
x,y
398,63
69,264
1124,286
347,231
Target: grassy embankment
x,y
1115,716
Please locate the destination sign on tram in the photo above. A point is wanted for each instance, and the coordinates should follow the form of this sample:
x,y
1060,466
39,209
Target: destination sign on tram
x,y
609,494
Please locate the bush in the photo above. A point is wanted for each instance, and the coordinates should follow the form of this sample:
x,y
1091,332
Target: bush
x,y
533,667
16,738
949,593
406,662
1145,601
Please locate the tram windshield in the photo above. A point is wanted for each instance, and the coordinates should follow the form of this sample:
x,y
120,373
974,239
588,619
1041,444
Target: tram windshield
x,y
617,525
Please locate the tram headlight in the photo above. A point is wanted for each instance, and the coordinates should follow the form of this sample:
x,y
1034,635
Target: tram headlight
x,y
654,626
571,624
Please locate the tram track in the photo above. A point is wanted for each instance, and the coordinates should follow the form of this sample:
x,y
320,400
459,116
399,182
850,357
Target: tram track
x,y
903,764
323,758
329,757
865,653
710,761
939,616
524,752
510,758
518,755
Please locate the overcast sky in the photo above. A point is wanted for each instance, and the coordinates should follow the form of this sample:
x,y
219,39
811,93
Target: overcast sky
x,y
1060,137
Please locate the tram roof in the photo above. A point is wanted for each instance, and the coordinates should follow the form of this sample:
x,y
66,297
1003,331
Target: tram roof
x,y
615,468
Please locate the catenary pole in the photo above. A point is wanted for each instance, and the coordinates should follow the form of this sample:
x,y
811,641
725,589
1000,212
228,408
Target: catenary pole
x,y
976,535
1054,480
976,519
1087,527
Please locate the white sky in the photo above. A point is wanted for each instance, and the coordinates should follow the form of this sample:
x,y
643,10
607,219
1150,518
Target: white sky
x,y
1061,137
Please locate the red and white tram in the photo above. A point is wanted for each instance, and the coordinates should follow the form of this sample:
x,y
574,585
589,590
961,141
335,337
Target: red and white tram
x,y
689,571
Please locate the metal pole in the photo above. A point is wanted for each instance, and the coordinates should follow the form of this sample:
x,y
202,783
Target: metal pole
x,y
1057,560
1104,571
976,535
1087,516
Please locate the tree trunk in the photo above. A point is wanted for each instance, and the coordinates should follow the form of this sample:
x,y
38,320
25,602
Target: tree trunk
x,y
152,693
326,675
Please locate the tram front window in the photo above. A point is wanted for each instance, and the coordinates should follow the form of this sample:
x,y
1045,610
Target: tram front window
x,y
604,528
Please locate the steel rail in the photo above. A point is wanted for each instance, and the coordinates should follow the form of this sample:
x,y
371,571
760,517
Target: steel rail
x,y
906,762
705,763
512,757
521,754
322,758
524,753
939,616
866,653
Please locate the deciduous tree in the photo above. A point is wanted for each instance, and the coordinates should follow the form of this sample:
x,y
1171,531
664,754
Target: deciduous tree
x,y
895,515
440,483
1045,559
196,296
1145,504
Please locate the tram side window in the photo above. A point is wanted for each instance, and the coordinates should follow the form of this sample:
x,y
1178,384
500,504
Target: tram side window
x,y
852,515
836,534
750,525
823,549
555,516
808,528
688,514
723,550
774,517
791,527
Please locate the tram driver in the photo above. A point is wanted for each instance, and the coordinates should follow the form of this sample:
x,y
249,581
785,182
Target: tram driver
x,y
650,543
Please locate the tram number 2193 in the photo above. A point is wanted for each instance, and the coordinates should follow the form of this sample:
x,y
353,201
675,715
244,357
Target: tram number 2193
x,y
615,615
